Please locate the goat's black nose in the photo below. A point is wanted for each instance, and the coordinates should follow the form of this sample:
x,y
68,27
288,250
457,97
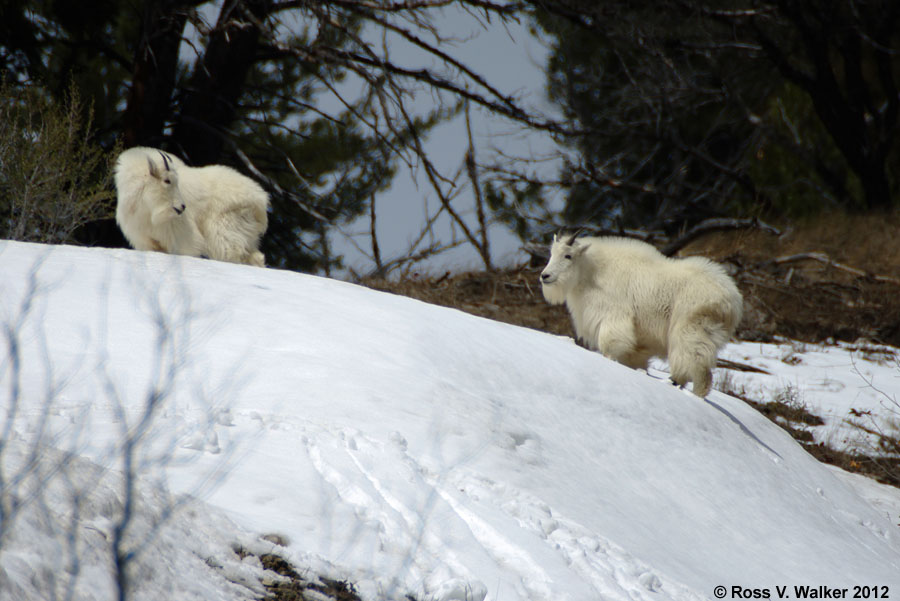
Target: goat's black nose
x,y
544,276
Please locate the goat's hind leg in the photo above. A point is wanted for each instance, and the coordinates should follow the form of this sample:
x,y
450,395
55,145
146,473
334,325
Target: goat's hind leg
x,y
232,238
692,355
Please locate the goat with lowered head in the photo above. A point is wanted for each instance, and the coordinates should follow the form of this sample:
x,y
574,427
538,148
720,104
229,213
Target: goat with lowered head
x,y
631,302
167,206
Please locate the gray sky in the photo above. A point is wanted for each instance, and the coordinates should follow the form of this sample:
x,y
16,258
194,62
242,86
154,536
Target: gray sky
x,y
512,60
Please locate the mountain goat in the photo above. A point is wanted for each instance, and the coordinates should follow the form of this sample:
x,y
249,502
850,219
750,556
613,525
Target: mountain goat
x,y
213,211
631,302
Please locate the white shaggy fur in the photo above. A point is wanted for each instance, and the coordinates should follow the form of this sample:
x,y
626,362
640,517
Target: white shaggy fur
x,y
631,302
212,211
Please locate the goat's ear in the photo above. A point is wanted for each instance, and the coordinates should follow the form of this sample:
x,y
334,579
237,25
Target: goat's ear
x,y
579,246
154,170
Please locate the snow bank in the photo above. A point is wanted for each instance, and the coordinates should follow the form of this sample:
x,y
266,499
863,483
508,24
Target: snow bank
x,y
419,449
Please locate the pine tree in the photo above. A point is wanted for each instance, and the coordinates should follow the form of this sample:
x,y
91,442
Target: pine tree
x,y
688,109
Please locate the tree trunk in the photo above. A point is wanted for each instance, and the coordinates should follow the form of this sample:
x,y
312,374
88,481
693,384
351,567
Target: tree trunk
x,y
875,185
155,65
210,103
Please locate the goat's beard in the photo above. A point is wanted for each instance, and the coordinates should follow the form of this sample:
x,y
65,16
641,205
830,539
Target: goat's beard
x,y
554,293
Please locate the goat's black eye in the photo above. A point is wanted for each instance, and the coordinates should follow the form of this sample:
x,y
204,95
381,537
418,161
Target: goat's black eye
x,y
168,181
568,256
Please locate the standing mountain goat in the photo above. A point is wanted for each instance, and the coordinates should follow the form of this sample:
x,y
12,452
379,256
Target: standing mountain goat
x,y
212,211
630,302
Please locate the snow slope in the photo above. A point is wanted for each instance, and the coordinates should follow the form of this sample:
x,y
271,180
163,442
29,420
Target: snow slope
x,y
414,449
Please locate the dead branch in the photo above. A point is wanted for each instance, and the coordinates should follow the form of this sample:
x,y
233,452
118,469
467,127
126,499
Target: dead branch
x,y
826,260
736,366
504,105
273,185
376,251
540,251
410,259
716,225
390,7
472,169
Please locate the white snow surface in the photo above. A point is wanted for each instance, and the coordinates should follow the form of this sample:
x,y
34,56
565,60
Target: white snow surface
x,y
843,384
411,449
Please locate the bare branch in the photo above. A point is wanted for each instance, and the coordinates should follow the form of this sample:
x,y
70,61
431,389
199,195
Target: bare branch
x,y
716,225
472,169
376,252
826,260
503,107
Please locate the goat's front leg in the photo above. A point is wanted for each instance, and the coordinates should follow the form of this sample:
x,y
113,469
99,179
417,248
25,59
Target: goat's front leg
x,y
617,340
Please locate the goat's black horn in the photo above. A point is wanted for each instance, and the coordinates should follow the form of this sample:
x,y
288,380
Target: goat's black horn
x,y
574,235
165,160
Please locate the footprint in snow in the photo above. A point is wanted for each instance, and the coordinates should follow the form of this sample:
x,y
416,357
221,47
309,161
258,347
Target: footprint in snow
x,y
203,441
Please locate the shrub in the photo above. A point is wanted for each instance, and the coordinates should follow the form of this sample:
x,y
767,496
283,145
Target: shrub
x,y
53,179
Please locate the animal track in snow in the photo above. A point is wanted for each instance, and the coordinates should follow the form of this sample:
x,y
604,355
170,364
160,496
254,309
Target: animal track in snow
x,y
199,440
412,512
526,444
611,570
392,498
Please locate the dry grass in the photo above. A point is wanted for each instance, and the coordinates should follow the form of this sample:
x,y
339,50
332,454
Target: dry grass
x,y
511,296
299,588
869,242
809,300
